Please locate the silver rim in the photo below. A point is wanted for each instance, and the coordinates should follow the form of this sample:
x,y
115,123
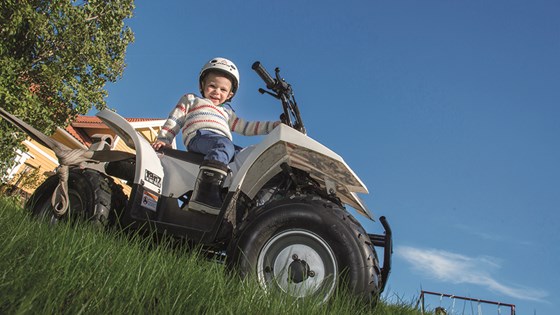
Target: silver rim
x,y
299,263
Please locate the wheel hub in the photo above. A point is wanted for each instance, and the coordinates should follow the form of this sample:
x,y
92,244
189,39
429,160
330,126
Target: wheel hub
x,y
299,263
298,271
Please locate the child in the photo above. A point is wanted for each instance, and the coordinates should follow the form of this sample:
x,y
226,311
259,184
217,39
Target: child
x,y
206,127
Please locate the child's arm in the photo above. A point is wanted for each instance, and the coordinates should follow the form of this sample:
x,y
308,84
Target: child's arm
x,y
173,124
250,128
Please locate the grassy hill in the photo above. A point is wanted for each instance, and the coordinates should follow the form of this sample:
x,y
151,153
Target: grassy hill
x,y
77,269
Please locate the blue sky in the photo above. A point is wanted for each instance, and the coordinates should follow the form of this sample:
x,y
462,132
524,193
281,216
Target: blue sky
x,y
447,110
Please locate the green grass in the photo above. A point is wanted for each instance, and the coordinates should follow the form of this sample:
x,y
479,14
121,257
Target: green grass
x,y
77,269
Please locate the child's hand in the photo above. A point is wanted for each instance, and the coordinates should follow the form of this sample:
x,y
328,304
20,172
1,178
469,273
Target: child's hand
x,y
160,144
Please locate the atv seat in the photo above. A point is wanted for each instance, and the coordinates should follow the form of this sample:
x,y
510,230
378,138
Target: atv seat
x,y
187,156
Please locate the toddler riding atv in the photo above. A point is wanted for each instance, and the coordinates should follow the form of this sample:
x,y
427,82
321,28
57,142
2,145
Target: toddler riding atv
x,y
283,219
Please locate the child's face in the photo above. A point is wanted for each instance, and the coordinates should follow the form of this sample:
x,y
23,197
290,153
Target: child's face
x,y
217,88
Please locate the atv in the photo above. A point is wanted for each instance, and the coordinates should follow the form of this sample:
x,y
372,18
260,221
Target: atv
x,y
283,220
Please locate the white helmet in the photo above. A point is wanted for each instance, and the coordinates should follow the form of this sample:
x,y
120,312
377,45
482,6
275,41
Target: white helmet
x,y
221,65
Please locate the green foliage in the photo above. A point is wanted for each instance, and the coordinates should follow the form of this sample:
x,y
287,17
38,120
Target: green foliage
x,y
77,269
55,59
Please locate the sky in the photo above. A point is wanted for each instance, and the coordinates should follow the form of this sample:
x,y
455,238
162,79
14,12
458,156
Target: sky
x,y
447,110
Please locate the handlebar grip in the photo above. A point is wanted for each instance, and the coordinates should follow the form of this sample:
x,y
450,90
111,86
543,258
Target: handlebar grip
x,y
261,71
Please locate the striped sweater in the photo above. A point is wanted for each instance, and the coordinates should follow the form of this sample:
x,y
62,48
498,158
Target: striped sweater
x,y
193,113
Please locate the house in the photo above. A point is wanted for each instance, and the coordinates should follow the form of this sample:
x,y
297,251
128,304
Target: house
x,y
39,162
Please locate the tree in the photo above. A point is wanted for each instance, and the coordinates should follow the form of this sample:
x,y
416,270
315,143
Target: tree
x,y
55,59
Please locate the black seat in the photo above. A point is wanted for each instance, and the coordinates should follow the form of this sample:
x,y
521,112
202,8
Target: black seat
x,y
191,157
188,156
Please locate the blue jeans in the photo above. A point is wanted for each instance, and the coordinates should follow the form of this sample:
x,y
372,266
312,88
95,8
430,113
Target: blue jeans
x,y
214,146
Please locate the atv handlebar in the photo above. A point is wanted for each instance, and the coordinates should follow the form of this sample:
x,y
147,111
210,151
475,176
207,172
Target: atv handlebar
x,y
283,91
261,71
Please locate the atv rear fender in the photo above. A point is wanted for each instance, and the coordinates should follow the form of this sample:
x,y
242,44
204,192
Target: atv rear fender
x,y
258,164
149,171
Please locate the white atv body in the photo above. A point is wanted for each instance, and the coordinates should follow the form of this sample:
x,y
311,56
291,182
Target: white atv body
x,y
252,167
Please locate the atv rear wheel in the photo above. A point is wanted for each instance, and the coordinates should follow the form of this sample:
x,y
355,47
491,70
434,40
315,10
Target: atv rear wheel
x,y
93,196
305,246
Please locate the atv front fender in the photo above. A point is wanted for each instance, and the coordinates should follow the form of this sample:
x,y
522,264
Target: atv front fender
x,y
285,145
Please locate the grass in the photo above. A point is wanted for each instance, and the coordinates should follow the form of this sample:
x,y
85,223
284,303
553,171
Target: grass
x,y
77,269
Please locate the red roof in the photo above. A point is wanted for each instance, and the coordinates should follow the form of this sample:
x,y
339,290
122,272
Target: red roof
x,y
79,135
94,121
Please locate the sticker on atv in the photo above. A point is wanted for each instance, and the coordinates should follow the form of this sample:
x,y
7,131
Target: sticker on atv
x,y
149,201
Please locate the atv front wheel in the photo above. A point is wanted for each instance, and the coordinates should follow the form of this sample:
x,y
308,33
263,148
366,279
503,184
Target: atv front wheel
x,y
92,196
305,246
